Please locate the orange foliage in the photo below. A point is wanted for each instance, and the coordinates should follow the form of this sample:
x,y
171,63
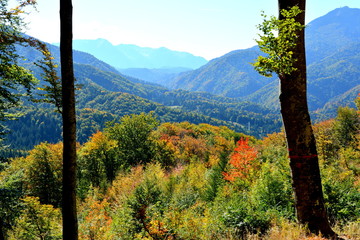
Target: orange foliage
x,y
157,230
124,185
314,238
187,142
95,219
241,161
274,139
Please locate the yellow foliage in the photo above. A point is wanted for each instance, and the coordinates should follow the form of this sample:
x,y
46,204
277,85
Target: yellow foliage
x,y
193,176
189,223
124,185
189,142
37,221
94,219
98,142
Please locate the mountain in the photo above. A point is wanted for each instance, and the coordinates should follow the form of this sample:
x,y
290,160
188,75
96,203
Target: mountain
x,y
106,95
132,56
231,75
160,76
332,45
246,102
334,31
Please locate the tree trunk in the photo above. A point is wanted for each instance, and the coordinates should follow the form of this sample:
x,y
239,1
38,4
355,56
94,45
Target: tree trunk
x,y
70,225
2,230
301,143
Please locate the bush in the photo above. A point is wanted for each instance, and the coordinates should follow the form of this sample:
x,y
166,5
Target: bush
x,y
342,198
245,218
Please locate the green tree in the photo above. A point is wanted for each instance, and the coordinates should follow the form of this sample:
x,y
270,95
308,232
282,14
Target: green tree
x,y
43,175
347,126
97,162
133,136
69,211
286,57
10,206
37,221
52,89
15,80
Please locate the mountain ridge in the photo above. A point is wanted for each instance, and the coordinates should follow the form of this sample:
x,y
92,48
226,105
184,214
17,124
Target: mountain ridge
x,y
132,56
335,60
111,94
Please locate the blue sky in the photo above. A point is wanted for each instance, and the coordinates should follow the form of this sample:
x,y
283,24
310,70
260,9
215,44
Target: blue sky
x,y
207,28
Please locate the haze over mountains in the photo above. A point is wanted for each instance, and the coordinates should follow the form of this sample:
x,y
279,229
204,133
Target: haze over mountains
x,y
231,92
332,44
132,56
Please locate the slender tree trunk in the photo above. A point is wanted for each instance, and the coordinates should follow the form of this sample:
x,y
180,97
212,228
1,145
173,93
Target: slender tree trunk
x,y
2,231
303,156
70,225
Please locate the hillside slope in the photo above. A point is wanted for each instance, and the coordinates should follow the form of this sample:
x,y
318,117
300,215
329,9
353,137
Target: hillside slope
x,y
332,53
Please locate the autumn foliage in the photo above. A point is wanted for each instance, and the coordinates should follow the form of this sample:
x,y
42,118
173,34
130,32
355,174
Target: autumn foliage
x,y
241,160
198,185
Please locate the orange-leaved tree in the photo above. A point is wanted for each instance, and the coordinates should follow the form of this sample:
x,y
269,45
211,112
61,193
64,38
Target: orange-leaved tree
x,y
241,160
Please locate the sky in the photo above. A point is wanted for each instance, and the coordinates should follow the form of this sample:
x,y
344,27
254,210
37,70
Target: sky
x,y
207,28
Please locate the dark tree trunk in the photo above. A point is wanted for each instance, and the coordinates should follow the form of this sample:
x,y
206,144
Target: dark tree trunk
x,y
70,225
2,231
301,143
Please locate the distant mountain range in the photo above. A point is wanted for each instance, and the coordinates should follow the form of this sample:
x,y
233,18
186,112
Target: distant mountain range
x,y
107,95
132,56
228,90
333,56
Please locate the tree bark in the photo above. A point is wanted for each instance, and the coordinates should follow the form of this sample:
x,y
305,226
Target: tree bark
x,y
69,211
301,143
2,231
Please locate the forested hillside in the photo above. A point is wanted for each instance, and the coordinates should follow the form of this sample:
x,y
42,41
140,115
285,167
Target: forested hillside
x,y
332,46
106,92
210,162
231,75
333,81
182,181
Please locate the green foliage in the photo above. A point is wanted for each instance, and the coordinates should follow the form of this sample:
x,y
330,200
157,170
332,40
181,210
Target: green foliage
x,y
272,191
278,41
53,87
184,195
37,221
347,125
342,196
16,81
133,137
357,102
10,208
43,176
146,197
216,179
43,125
97,163
240,215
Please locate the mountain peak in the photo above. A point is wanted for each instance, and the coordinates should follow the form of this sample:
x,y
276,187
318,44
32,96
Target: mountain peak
x,y
343,15
132,56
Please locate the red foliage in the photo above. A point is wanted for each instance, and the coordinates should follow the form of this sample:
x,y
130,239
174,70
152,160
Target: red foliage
x,y
241,161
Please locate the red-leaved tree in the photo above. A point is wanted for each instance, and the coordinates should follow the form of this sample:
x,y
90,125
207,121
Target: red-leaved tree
x,y
241,161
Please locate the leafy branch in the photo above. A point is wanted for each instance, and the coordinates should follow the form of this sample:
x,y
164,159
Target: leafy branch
x,y
277,41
